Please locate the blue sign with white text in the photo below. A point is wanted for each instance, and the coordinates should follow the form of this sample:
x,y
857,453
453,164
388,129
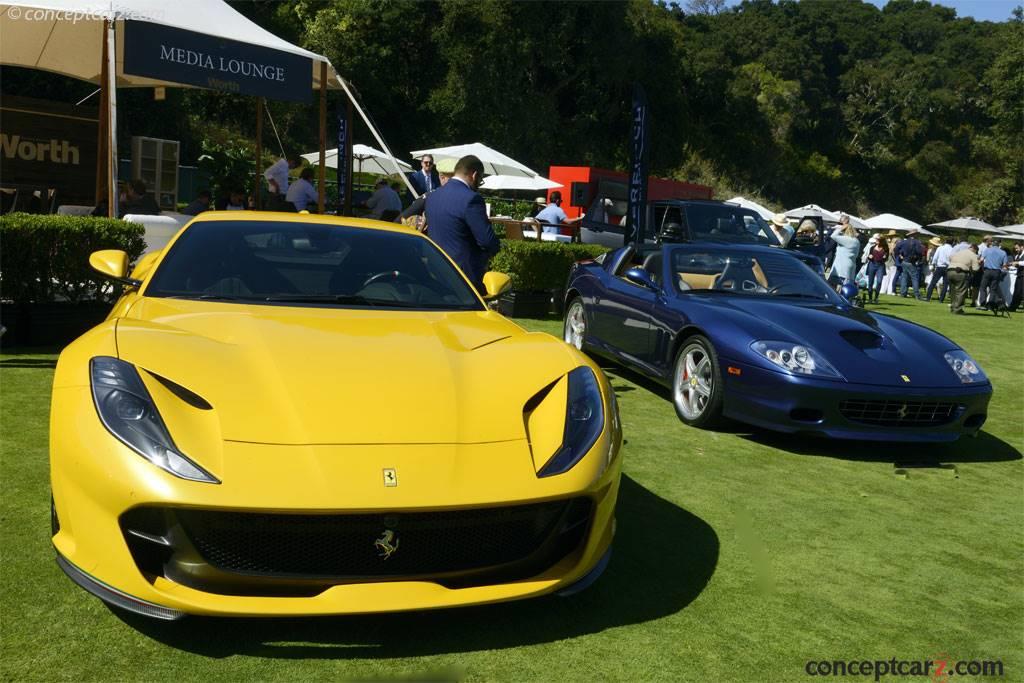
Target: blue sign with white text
x,y
173,54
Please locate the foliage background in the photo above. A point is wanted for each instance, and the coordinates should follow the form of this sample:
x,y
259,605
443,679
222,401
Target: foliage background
x,y
907,109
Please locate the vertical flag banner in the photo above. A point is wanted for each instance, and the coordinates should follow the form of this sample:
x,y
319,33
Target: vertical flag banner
x,y
342,159
636,214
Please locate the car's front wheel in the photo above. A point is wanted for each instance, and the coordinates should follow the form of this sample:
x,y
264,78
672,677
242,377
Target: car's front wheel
x,y
696,383
575,329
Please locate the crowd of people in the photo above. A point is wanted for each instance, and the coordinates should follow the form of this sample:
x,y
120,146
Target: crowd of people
x,y
971,274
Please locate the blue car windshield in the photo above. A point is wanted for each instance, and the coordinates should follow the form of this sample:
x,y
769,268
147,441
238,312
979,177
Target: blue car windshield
x,y
286,262
764,273
728,223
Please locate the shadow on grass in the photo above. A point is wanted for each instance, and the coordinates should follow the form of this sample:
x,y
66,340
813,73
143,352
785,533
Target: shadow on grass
x,y
983,448
662,559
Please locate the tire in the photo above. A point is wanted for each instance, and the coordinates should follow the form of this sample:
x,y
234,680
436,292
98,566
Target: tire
x,y
697,383
574,329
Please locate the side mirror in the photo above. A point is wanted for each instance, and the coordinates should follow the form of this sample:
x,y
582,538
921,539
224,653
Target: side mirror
x,y
113,264
496,284
639,276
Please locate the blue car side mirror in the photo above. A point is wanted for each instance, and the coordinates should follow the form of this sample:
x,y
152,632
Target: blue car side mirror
x,y
641,277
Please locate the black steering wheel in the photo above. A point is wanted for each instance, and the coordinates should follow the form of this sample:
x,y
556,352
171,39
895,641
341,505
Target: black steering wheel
x,y
395,275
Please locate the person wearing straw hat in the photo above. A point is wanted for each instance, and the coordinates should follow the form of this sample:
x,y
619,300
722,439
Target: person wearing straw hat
x,y
940,266
783,230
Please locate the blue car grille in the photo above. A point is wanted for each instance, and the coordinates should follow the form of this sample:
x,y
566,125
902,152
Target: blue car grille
x,y
896,413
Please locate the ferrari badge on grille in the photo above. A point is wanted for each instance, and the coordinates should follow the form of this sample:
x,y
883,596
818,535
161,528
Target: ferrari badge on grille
x,y
383,544
390,476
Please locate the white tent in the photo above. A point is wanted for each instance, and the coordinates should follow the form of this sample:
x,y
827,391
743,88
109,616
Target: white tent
x,y
815,211
763,211
1013,231
511,182
969,224
890,221
66,36
368,160
495,163
216,46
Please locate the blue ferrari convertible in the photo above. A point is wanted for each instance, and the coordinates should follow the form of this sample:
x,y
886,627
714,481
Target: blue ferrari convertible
x,y
751,333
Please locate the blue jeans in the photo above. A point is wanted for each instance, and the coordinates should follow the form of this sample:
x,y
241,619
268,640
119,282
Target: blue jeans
x,y
875,269
912,272
939,272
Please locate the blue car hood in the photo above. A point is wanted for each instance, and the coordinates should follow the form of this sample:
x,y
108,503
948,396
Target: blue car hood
x,y
866,348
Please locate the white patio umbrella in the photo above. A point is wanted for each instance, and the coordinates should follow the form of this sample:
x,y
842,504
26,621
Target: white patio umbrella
x,y
368,160
965,223
1013,231
890,221
856,222
813,211
763,211
512,182
495,163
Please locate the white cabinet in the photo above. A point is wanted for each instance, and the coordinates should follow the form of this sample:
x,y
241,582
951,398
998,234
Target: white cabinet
x,y
155,161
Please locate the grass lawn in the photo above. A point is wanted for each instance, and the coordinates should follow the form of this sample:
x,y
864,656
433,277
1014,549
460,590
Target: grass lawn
x,y
740,555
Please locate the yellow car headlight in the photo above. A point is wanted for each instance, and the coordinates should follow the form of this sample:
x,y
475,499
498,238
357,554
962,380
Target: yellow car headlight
x,y
584,421
127,411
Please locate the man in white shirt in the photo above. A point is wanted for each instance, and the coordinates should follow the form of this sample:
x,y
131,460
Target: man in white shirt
x,y
277,181
384,199
301,193
940,265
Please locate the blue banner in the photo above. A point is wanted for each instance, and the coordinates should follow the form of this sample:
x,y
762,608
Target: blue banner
x,y
179,56
343,156
636,213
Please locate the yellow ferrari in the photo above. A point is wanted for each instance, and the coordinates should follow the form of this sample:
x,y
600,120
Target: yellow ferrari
x,y
288,414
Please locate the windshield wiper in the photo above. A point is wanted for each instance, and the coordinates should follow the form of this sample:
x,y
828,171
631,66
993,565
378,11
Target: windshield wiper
x,y
212,297
318,298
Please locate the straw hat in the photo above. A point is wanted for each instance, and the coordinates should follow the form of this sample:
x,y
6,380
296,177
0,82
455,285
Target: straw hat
x,y
935,242
892,233
541,201
446,166
779,219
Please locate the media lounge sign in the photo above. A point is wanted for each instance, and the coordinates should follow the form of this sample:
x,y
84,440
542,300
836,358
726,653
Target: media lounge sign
x,y
179,56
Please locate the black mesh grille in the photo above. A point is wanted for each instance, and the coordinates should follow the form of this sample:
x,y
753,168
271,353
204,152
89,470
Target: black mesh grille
x,y
899,413
422,543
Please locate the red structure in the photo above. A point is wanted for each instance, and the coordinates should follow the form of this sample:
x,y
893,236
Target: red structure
x,y
581,184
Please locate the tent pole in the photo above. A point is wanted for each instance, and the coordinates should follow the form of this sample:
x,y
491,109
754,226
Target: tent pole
x,y
112,193
101,126
322,180
257,200
380,140
348,148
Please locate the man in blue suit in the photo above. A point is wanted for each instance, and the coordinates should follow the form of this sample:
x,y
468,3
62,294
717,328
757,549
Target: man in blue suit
x,y
457,221
426,179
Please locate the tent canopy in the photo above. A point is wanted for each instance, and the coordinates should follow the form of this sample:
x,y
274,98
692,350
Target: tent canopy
x,y
495,163
890,221
65,37
813,210
970,224
1013,231
763,211
368,160
511,182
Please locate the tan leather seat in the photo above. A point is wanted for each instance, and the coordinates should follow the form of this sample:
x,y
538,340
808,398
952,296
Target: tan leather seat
x,y
697,280
759,274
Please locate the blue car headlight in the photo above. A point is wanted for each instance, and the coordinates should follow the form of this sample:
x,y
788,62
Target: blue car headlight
x,y
964,366
584,420
128,412
795,358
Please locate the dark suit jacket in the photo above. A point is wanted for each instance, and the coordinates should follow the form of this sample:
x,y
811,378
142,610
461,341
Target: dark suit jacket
x,y
457,222
419,181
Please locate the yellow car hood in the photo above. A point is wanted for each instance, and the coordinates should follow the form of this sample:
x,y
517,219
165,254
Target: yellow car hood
x,y
327,375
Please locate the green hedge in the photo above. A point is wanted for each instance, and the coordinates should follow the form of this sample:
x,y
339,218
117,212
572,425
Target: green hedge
x,y
46,257
540,265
